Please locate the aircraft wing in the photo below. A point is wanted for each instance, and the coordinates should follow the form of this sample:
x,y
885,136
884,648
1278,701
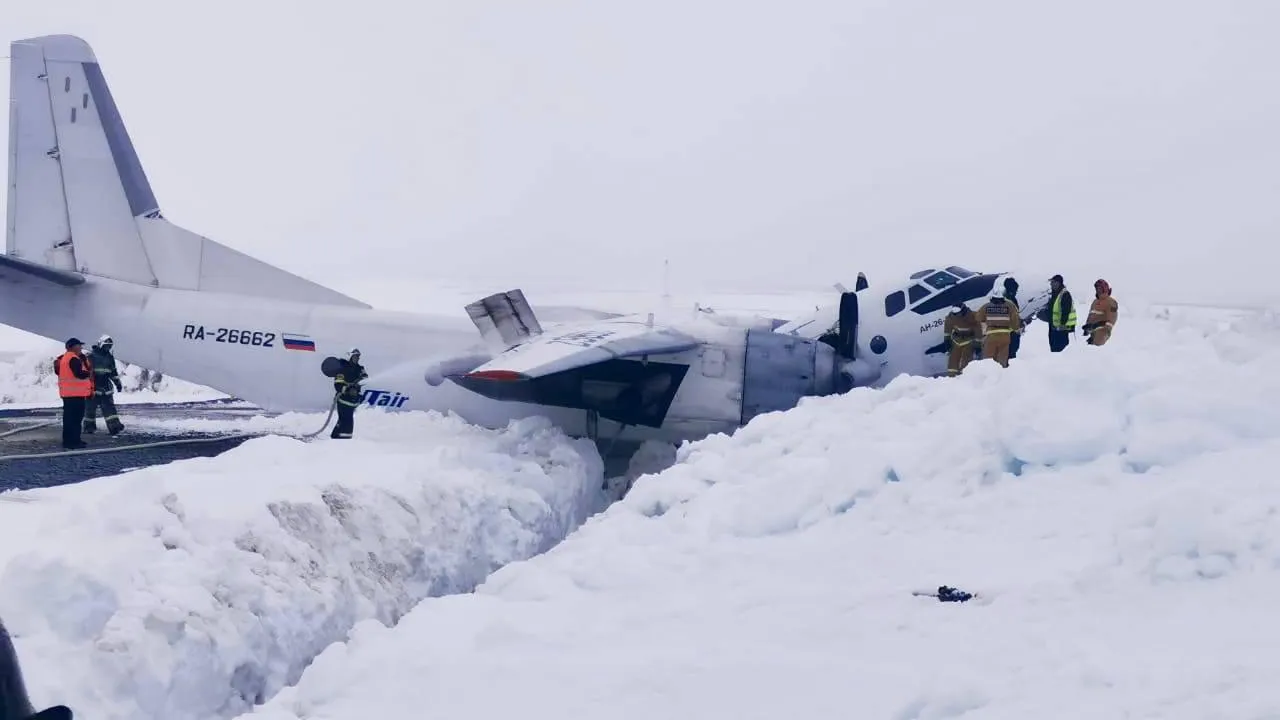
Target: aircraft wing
x,y
580,345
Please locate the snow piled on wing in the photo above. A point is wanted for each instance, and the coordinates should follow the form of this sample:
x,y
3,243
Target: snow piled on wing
x,y
1115,507
195,589
27,379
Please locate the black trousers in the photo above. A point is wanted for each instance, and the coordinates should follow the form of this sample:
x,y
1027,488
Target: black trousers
x,y
107,403
346,424
1058,339
72,416
1014,341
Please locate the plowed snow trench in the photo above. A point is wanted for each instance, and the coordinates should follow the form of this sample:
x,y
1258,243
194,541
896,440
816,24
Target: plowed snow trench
x,y
202,588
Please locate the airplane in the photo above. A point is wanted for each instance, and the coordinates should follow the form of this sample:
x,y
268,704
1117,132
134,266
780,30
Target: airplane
x,y
89,252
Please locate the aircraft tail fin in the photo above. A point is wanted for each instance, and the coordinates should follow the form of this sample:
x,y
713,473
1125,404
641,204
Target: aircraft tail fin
x,y
79,199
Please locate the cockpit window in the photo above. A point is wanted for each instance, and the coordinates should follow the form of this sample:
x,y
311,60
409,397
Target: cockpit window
x,y
922,273
917,292
960,272
941,280
894,303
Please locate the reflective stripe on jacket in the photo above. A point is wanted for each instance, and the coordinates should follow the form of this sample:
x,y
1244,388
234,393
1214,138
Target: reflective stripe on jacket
x,y
1056,317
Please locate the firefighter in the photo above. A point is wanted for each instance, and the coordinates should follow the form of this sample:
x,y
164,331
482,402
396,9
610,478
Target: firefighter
x,y
1011,294
1102,314
75,386
106,382
1060,315
346,386
999,319
960,331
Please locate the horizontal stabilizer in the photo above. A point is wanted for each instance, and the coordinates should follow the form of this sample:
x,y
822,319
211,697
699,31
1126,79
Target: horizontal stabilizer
x,y
17,270
584,345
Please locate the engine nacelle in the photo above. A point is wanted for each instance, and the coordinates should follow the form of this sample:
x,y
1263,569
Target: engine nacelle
x,y
779,370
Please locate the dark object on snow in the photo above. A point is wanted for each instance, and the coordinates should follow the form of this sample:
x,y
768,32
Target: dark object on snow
x,y
947,594
14,703
950,594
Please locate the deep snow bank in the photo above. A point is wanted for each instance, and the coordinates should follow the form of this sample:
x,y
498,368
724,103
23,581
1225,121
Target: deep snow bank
x,y
1116,504
27,379
195,589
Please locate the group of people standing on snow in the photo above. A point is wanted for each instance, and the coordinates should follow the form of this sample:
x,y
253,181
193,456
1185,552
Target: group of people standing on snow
x,y
998,326
87,383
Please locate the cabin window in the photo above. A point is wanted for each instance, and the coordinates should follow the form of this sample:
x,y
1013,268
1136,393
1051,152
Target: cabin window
x,y
894,303
960,272
941,280
922,273
916,293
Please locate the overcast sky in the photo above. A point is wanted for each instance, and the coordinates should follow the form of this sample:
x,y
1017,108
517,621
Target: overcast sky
x,y
755,144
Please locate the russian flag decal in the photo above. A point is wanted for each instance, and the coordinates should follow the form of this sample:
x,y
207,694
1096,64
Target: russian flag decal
x,y
298,342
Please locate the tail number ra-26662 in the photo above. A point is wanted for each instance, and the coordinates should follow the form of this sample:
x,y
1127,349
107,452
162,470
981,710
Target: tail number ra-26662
x,y
230,335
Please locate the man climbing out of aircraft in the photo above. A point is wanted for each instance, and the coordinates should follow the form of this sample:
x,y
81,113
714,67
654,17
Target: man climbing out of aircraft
x,y
106,381
1011,294
346,384
1060,314
1102,314
1000,320
960,330
75,387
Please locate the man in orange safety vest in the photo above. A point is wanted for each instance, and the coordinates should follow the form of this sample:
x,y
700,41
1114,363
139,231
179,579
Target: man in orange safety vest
x,y
75,387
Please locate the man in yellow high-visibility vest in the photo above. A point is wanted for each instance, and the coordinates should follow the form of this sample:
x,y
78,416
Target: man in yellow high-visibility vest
x,y
1060,314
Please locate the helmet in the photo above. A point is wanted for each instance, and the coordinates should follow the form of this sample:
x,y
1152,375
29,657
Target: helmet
x,y
353,353
106,340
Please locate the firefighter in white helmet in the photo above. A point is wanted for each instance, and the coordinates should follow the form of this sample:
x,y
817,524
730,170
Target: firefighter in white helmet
x,y
1000,320
346,386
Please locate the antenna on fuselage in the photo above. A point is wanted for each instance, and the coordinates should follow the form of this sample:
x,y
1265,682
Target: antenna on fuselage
x,y
666,284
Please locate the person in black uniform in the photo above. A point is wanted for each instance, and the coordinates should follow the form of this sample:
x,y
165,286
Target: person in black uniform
x,y
1011,294
106,381
346,384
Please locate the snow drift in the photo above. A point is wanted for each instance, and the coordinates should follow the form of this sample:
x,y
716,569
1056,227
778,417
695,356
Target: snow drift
x,y
195,589
1115,507
27,379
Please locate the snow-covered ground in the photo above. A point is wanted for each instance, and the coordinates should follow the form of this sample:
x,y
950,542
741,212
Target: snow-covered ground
x,y
195,589
1114,506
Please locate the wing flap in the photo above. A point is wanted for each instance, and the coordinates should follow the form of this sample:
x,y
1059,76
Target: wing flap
x,y
582,345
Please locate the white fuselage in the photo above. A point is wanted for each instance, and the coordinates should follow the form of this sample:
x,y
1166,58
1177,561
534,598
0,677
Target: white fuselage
x,y
237,344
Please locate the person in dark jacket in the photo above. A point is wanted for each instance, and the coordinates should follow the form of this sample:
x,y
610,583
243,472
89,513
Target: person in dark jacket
x,y
106,381
15,703
346,384
1060,314
1011,294
75,387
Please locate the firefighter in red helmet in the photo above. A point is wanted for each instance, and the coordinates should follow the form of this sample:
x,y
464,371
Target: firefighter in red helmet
x,y
1102,314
